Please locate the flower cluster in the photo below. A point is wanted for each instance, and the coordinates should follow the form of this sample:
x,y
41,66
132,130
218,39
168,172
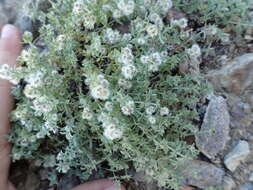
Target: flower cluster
x,y
111,36
6,73
194,52
84,15
154,60
101,87
126,7
181,23
110,126
128,107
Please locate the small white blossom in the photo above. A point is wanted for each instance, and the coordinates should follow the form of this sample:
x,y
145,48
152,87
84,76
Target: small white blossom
x,y
117,14
111,36
30,91
181,23
124,83
112,133
164,111
129,71
127,7
103,117
144,59
153,68
164,5
35,79
211,30
152,119
195,51
100,92
128,108
141,41
152,30
150,110
87,114
109,106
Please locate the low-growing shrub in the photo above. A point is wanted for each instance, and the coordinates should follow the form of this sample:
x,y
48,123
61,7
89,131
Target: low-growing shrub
x,y
100,89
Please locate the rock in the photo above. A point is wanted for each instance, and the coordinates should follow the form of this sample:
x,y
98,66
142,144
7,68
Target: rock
x,y
247,186
201,174
3,17
187,188
32,181
228,183
214,132
251,177
67,182
237,155
235,77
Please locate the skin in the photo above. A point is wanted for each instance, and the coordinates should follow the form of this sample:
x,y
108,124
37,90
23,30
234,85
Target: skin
x,y
10,48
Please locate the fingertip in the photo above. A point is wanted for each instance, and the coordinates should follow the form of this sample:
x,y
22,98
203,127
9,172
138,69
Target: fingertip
x,y
10,40
102,184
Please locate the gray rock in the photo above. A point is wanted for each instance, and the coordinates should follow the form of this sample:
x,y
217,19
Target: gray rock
x,y
251,177
32,181
237,155
247,186
214,132
228,183
201,174
67,182
3,17
235,77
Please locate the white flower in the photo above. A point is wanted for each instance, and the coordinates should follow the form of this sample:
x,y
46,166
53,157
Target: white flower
x,y
30,91
87,114
126,56
156,58
124,83
111,36
150,110
117,14
153,67
128,108
109,106
89,21
164,111
152,119
104,83
42,105
5,72
164,5
141,41
103,117
211,30
152,30
144,59
35,79
100,92
78,7
183,23
129,71
194,51
111,132
127,37
127,8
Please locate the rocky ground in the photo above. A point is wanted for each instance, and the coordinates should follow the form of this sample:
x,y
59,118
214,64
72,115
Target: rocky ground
x,y
226,135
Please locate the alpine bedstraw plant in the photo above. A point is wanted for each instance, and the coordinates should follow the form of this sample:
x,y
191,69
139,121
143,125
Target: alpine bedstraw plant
x,y
103,92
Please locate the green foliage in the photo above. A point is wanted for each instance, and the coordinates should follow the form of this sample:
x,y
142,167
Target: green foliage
x,y
103,92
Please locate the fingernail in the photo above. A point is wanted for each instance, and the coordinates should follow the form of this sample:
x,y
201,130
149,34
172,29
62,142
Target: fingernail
x,y
114,187
8,31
